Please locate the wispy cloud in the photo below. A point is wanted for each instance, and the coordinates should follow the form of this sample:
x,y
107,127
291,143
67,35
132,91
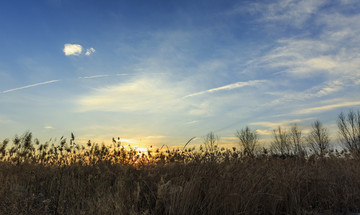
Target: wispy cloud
x,y
301,57
72,49
270,126
326,108
29,86
146,94
317,91
192,122
314,65
155,137
263,132
227,87
331,50
5,119
277,124
89,51
293,12
289,12
132,141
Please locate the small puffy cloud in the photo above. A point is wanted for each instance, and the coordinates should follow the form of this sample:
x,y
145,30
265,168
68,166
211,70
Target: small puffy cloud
x,y
89,51
72,49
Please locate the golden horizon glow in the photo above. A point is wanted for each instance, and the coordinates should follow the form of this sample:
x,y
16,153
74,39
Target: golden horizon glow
x,y
141,149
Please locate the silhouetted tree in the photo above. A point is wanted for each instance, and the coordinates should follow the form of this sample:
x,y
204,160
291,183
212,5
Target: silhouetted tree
x,y
349,130
248,141
296,140
211,142
281,144
318,139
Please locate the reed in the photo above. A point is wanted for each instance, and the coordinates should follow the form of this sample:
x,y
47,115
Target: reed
x,y
64,177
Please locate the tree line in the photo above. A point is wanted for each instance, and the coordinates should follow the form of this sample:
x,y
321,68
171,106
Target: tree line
x,y
292,141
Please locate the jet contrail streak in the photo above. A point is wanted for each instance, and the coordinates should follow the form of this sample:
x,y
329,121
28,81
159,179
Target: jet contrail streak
x,y
227,87
52,81
94,76
29,86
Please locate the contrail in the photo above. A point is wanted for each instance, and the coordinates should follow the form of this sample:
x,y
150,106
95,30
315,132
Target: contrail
x,y
102,76
94,76
227,87
52,81
29,86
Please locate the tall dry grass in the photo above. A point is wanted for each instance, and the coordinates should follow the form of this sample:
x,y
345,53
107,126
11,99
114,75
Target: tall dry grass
x,y
64,178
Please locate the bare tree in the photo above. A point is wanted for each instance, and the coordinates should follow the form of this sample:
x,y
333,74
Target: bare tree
x,y
349,130
248,141
318,139
281,144
211,142
296,140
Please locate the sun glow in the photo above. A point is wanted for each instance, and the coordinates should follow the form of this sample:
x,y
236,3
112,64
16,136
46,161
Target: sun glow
x,y
141,149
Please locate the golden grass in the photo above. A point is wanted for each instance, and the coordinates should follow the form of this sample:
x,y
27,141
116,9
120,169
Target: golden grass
x,y
65,178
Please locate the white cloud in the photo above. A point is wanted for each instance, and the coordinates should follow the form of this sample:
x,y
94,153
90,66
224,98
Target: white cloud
x,y
89,51
76,49
227,87
72,49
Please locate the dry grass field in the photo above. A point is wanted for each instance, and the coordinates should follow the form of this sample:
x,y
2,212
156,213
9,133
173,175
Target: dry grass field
x,y
100,180
65,178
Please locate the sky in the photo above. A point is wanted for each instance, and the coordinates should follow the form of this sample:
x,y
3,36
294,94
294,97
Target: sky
x,y
163,71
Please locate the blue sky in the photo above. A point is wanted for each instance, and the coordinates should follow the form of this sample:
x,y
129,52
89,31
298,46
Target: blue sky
x,y
161,72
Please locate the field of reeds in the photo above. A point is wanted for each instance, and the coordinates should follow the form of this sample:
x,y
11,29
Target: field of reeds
x,y
63,177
